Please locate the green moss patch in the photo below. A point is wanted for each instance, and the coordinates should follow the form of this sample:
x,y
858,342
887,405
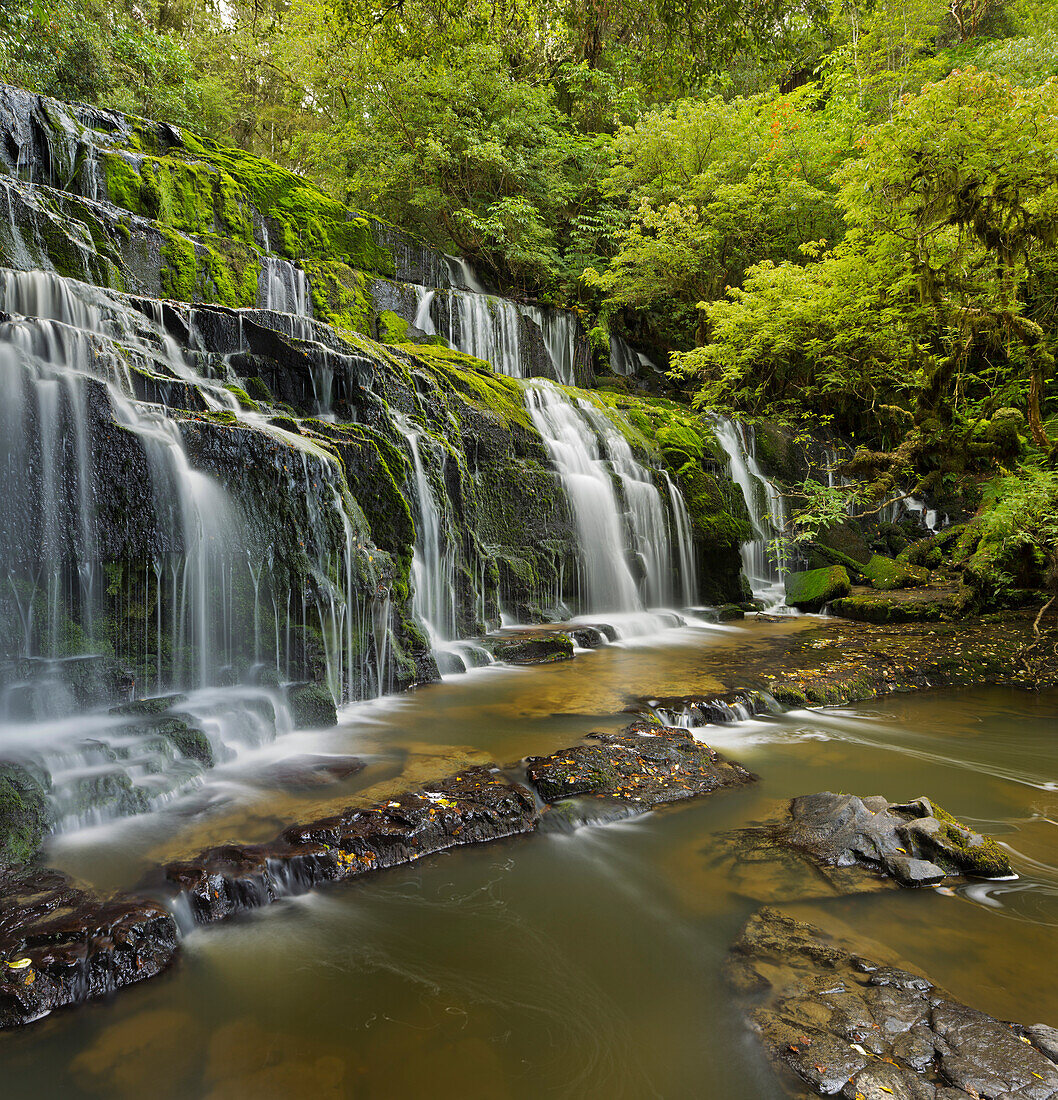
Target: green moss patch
x,y
812,590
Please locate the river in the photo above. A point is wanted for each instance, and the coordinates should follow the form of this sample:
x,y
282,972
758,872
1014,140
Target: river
x,y
583,964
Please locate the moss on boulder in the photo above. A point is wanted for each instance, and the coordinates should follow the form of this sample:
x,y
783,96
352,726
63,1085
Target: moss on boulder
x,y
311,706
888,575
814,589
24,814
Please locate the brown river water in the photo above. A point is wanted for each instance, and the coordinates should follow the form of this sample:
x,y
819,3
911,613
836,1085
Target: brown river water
x,y
583,964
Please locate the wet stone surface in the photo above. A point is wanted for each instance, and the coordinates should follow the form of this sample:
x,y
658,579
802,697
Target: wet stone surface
x,y
644,766
840,1024
645,763
61,945
842,836
477,805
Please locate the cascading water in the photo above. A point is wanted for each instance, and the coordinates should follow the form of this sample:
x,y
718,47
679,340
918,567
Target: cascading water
x,y
490,327
625,360
766,507
283,287
127,571
433,564
559,329
618,538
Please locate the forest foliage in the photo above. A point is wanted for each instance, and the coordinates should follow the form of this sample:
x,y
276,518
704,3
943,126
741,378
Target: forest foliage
x,y
839,210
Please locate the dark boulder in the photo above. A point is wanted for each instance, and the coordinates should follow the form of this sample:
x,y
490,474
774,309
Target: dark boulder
x,y
473,807
646,764
61,945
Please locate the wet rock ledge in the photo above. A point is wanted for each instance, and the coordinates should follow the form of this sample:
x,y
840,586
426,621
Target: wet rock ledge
x,y
643,766
843,1025
60,945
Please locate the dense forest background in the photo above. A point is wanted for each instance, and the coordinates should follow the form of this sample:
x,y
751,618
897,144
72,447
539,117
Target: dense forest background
x,y
839,212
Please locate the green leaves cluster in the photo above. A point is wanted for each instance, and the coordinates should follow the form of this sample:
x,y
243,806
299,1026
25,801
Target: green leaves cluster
x,y
938,293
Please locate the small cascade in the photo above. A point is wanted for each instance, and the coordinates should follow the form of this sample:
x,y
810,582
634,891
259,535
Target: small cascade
x,y
766,507
433,561
634,550
688,568
434,601
559,329
626,360
461,276
494,328
283,287
423,321
488,328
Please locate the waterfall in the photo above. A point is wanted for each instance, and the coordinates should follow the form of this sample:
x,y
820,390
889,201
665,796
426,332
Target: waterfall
x,y
625,360
766,507
493,328
117,553
559,329
461,275
424,301
621,537
433,560
488,328
433,566
283,287
688,569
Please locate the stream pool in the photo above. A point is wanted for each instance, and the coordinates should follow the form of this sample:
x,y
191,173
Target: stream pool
x,y
583,964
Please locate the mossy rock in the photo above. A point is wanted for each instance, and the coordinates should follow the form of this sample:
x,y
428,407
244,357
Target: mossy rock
x,y
777,453
25,816
539,649
340,296
814,589
821,556
887,575
392,329
789,696
847,539
146,708
955,847
188,739
920,606
311,706
729,612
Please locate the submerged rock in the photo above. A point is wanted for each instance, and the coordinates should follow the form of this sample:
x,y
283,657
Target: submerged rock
x,y
916,843
646,764
309,771
832,1019
61,945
